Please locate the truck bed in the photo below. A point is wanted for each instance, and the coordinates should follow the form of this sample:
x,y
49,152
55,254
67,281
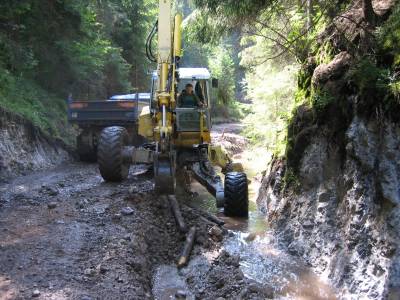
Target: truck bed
x,y
105,112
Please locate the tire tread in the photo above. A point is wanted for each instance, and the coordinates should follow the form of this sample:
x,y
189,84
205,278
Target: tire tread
x,y
236,195
109,155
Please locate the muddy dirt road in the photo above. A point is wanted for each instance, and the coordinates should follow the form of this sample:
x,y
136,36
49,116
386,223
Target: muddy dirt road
x,y
65,234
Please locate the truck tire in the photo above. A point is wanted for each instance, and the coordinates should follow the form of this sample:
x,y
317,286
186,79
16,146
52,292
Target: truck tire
x,y
112,166
236,195
86,150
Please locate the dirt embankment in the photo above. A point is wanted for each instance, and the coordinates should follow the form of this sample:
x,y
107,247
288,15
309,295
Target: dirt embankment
x,y
25,148
229,136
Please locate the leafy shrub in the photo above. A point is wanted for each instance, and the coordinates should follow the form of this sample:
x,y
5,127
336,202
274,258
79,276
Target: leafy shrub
x,y
320,100
389,35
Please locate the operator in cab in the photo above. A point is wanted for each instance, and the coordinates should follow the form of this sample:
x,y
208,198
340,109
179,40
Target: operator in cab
x,y
188,99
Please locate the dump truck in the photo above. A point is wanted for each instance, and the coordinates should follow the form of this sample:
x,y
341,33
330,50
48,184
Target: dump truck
x,y
92,117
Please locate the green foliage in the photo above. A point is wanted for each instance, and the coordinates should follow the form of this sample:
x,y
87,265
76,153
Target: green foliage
x,y
320,100
221,66
395,90
389,35
288,28
203,29
92,49
325,53
231,12
291,180
218,57
370,79
271,91
389,40
27,99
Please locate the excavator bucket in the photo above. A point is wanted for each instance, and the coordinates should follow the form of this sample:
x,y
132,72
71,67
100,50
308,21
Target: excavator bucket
x,y
164,174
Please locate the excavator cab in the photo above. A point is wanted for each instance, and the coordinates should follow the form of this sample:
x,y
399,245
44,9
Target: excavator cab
x,y
193,125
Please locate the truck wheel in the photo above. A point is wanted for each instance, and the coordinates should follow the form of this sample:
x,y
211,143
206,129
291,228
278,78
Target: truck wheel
x,y
110,157
236,195
86,150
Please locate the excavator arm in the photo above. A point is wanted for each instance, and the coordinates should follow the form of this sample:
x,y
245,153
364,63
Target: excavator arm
x,y
168,57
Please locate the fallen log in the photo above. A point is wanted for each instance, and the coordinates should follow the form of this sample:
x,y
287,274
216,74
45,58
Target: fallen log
x,y
177,214
187,249
210,217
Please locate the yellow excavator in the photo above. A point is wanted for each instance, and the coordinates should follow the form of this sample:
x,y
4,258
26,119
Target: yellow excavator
x,y
179,138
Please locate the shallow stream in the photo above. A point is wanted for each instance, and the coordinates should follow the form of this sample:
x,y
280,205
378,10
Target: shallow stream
x,y
261,257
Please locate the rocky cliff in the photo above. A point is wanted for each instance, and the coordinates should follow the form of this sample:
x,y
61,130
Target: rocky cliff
x,y
334,198
26,148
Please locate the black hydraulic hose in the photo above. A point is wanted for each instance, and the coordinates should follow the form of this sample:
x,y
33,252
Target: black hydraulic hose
x,y
148,43
155,30
149,52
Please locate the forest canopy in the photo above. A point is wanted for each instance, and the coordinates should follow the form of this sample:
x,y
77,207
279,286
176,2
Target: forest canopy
x,y
91,49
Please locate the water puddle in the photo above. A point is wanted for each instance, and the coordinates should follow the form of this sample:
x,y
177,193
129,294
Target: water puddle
x,y
263,261
168,284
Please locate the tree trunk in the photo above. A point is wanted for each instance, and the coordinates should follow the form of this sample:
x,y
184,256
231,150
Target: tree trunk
x,y
368,11
310,14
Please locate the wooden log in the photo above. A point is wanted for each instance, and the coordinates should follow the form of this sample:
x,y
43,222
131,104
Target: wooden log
x,y
206,221
210,217
177,214
187,249
214,219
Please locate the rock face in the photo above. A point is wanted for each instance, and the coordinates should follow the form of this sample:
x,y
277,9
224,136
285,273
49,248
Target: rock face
x,y
345,221
335,198
25,148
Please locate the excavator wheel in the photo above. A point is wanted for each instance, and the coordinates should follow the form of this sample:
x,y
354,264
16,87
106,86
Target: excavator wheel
x,y
86,150
236,195
110,154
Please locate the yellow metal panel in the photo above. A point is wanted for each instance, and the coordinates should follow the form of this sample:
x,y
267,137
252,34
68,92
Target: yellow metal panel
x,y
178,36
219,156
189,139
146,123
164,31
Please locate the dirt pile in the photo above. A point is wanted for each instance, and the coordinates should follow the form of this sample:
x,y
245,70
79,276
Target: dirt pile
x,y
25,148
228,136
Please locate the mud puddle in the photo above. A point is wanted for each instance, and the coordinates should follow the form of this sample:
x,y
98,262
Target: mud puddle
x,y
169,284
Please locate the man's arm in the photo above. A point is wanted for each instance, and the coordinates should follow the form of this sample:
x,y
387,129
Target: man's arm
x,y
180,97
198,101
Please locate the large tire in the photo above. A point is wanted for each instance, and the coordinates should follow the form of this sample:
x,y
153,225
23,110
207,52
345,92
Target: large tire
x,y
85,147
111,162
236,195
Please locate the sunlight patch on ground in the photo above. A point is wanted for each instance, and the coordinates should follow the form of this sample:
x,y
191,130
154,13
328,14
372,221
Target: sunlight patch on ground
x,y
7,289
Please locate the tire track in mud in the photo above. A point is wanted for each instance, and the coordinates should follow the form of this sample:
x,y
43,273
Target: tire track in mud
x,y
64,235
